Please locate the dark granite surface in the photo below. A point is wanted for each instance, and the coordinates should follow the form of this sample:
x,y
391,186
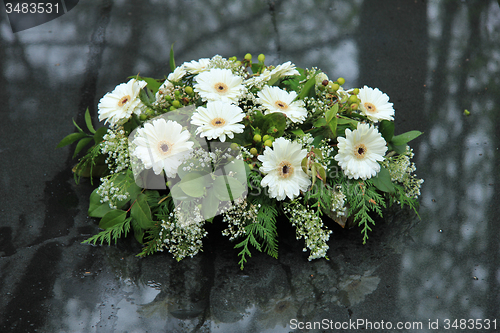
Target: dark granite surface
x,y
433,58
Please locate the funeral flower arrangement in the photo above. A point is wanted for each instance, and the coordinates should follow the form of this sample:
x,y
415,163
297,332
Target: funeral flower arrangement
x,y
247,142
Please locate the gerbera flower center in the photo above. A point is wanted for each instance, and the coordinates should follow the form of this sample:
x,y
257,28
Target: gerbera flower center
x,y
285,169
360,151
280,104
164,147
124,100
221,87
370,107
218,122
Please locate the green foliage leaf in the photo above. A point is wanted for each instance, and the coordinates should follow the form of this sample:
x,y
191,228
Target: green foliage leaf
x,y
404,138
77,127
96,208
333,126
382,180
152,83
275,119
88,121
387,130
320,122
81,144
399,149
209,206
227,188
114,232
69,139
193,184
307,87
172,60
298,132
344,120
112,218
146,96
332,112
99,134
141,212
138,231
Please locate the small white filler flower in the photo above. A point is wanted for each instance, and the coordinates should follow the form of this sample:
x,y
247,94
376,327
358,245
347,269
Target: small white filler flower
x,y
360,151
217,120
162,145
282,164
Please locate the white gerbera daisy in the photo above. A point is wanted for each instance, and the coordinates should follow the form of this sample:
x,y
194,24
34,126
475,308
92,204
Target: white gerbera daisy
x,y
285,177
360,151
217,120
219,85
276,100
196,67
162,145
286,69
375,104
117,106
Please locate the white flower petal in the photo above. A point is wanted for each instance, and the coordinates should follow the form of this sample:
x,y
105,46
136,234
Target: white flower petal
x,y
282,163
219,85
162,146
375,104
217,120
275,99
117,106
360,151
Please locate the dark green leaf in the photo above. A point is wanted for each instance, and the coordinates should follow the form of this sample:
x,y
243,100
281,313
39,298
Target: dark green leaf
x,y
138,231
146,96
399,149
70,139
153,84
404,138
81,144
77,127
343,120
298,132
307,87
141,212
320,122
382,180
96,208
275,119
387,130
256,67
88,121
333,126
317,140
99,134
112,218
331,113
172,60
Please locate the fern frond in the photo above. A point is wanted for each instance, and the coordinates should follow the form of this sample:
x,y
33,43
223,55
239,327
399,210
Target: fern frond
x,y
111,234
